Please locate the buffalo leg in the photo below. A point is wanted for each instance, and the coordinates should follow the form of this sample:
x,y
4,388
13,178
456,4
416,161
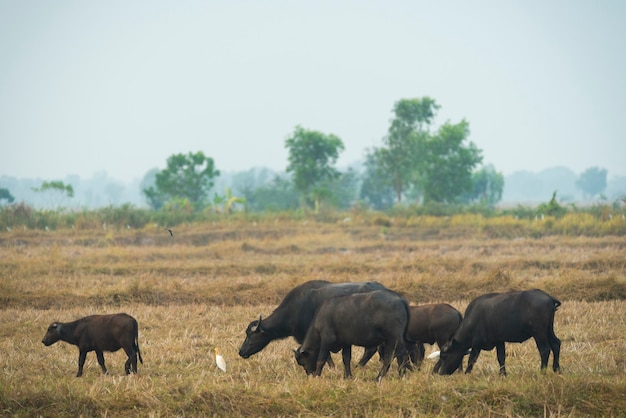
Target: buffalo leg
x,y
367,355
346,355
472,359
82,355
412,348
544,351
555,346
387,357
402,356
131,363
420,355
330,362
501,353
100,356
322,358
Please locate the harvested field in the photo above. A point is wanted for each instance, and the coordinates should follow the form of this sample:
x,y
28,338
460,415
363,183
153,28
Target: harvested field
x,y
199,289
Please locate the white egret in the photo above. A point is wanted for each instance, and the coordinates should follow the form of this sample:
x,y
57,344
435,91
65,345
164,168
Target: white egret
x,y
433,355
219,360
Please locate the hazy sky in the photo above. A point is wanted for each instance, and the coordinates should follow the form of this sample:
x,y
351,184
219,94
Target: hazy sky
x,y
87,86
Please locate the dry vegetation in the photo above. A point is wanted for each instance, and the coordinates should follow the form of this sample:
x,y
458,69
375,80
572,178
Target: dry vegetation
x,y
199,290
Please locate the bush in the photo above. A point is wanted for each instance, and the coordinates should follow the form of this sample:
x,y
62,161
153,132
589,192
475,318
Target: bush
x,y
15,215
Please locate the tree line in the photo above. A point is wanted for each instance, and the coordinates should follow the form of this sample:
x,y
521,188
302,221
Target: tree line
x,y
414,164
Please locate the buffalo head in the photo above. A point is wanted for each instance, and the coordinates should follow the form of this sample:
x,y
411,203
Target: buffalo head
x,y
451,357
52,335
256,339
306,359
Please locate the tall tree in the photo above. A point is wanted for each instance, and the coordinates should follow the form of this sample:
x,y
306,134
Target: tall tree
x,y
312,156
450,159
401,157
187,176
592,182
56,192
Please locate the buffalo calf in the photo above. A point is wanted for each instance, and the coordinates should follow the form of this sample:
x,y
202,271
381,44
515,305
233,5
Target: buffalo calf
x,y
431,323
99,333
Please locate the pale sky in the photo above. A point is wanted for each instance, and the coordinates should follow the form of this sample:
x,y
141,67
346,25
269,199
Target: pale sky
x,y
119,86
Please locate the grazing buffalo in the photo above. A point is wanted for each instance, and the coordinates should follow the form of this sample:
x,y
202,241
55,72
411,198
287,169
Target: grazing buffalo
x,y
432,323
428,324
99,333
366,319
495,318
295,313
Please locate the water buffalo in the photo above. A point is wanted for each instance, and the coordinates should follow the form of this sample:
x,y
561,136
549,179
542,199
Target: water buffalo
x,y
99,333
365,319
431,323
495,318
294,314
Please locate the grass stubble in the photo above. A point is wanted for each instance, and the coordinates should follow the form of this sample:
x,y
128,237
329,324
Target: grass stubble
x,y
190,296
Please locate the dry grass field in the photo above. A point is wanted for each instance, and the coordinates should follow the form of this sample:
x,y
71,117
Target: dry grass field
x,y
199,289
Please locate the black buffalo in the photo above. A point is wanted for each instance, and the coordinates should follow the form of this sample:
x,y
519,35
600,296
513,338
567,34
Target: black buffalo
x,y
428,324
495,318
366,319
294,314
99,333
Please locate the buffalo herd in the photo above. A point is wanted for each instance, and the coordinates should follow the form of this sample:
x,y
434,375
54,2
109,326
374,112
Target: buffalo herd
x,y
325,317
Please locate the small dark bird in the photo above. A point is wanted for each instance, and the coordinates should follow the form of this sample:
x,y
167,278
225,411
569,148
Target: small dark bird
x,y
170,231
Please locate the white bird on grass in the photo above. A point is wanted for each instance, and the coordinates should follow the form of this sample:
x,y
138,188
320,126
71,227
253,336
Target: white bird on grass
x,y
221,363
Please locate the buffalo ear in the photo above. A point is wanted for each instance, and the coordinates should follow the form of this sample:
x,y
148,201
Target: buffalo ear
x,y
300,353
57,327
257,327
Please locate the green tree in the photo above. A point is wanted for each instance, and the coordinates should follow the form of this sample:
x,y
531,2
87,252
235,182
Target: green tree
x,y
187,176
487,186
592,182
6,195
57,192
312,156
401,157
448,162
